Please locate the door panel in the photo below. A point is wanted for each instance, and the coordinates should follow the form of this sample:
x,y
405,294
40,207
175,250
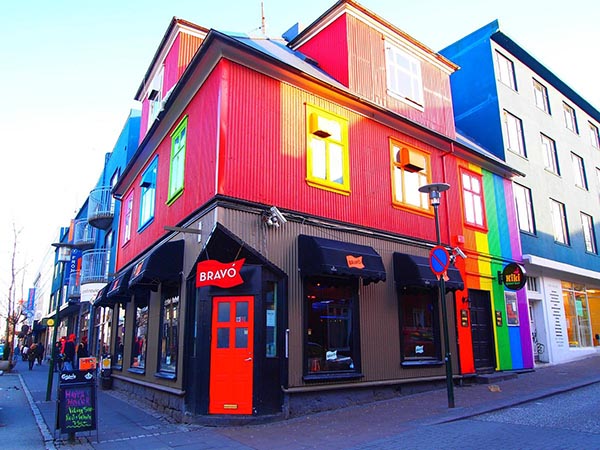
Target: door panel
x,y
481,330
231,356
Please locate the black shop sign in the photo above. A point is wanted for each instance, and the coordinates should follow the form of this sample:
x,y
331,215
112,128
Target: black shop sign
x,y
77,401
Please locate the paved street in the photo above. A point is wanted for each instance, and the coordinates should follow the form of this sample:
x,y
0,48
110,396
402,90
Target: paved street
x,y
412,421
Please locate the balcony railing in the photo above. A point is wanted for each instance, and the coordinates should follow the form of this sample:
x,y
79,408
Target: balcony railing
x,y
74,291
94,266
101,208
84,236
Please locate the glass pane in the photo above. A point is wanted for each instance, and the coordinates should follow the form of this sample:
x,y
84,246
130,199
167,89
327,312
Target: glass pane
x,y
336,163
222,337
241,338
318,164
271,320
241,312
223,312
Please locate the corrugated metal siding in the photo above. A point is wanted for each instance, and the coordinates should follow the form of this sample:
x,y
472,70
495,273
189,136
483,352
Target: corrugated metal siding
x,y
171,65
368,78
188,46
265,158
379,322
330,50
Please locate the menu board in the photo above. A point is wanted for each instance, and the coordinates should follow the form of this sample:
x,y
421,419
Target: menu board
x,y
77,402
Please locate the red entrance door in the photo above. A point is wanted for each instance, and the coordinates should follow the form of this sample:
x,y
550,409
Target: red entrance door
x,y
231,355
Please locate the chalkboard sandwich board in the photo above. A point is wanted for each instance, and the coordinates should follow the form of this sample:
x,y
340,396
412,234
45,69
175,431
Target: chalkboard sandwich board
x,y
77,401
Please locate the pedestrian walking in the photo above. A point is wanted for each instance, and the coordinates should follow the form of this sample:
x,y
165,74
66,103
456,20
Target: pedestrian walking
x,y
32,355
69,353
40,350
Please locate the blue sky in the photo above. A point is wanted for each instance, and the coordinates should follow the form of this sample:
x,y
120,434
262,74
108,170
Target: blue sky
x,y
70,69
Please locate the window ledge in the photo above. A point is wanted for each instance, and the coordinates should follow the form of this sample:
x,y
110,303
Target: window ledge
x,y
436,362
333,376
166,375
136,370
117,367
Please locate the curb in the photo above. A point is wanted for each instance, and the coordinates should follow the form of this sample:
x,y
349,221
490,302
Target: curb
x,y
39,419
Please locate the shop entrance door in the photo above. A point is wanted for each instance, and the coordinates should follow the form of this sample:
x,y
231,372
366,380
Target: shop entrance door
x,y
231,355
481,331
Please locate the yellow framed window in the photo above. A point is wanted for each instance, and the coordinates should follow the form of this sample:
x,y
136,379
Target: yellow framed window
x,y
327,151
411,169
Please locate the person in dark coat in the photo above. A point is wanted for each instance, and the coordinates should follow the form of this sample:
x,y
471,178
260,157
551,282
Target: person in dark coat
x,y
69,353
39,354
32,355
82,349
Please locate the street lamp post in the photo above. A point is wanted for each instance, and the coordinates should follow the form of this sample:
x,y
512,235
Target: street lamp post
x,y
434,190
64,255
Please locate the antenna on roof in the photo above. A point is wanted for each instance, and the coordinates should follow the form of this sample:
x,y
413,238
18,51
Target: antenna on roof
x,y
263,21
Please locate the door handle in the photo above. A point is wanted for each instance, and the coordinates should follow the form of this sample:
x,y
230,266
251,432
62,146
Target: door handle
x,y
248,359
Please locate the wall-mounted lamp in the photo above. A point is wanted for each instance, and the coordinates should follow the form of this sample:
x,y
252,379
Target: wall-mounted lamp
x,y
273,217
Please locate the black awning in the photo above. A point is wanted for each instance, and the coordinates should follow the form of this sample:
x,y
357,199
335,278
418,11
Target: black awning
x,y
320,256
415,271
118,288
101,299
163,265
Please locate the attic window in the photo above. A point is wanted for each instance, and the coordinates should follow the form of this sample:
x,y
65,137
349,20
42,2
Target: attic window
x,y
403,72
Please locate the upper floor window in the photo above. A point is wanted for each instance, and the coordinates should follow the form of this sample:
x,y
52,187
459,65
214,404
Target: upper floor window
x,y
579,171
570,119
550,157
524,208
541,96
127,217
178,141
403,73
594,136
327,151
513,127
506,71
589,235
559,222
155,96
410,171
473,198
148,193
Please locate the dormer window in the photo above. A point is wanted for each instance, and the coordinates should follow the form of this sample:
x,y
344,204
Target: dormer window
x,y
403,72
155,96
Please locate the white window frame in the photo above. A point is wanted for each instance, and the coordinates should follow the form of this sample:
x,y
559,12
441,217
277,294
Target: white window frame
x,y
506,71
550,155
128,214
472,189
148,194
513,128
570,118
589,234
559,222
403,74
524,205
594,136
579,171
540,93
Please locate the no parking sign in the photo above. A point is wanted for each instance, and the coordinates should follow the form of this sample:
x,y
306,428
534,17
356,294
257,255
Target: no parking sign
x,y
439,260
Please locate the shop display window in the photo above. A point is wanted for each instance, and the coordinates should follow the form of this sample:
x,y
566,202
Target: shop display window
x,y
419,325
169,340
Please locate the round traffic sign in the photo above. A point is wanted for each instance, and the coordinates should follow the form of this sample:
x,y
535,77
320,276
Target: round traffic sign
x,y
439,260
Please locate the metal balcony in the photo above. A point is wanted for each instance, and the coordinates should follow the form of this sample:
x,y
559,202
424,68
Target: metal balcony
x,y
94,266
74,291
101,208
84,236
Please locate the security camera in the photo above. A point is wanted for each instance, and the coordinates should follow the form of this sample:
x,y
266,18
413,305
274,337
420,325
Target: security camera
x,y
276,214
459,252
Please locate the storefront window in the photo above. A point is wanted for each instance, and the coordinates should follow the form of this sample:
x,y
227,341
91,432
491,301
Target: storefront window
x,y
418,318
577,315
169,342
103,328
271,319
120,336
140,336
332,317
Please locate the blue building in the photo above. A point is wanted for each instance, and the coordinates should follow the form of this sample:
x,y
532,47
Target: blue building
x,y
510,103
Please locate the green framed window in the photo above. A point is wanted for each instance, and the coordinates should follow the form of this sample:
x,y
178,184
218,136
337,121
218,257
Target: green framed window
x,y
177,165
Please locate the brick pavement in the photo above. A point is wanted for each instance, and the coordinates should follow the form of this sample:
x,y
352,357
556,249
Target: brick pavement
x,y
124,422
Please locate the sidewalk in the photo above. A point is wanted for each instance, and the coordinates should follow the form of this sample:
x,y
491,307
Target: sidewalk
x,y
122,422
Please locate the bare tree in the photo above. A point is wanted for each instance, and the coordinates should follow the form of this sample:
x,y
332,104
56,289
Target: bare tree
x,y
13,313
